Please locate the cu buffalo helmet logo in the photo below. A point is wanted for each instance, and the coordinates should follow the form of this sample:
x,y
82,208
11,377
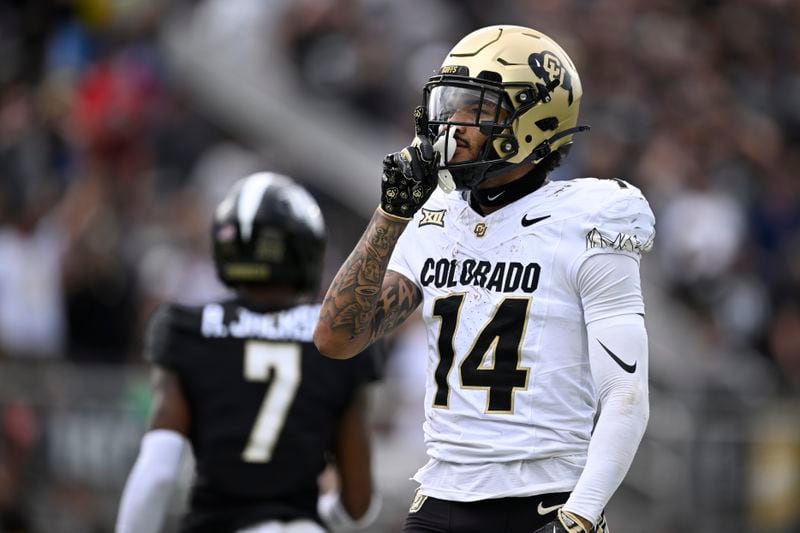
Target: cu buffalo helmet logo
x,y
548,67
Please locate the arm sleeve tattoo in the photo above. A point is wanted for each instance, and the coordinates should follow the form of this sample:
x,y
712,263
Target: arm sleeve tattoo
x,y
364,302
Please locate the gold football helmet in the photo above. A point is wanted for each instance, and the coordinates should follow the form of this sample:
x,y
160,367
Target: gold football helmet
x,y
523,92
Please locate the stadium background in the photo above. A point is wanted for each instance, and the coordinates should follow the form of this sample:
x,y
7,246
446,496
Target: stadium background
x,y
123,121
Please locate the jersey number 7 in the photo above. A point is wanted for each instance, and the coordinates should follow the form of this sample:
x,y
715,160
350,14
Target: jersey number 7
x,y
502,335
281,361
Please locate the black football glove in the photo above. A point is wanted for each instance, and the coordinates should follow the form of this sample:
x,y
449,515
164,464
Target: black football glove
x,y
565,522
410,175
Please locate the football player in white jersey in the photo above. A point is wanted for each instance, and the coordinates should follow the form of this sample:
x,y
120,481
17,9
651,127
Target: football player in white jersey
x,y
529,288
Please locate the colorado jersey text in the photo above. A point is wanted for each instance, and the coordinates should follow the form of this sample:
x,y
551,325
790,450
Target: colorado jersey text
x,y
509,375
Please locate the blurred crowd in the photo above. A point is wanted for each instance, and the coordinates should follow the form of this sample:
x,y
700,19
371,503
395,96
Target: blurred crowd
x,y
108,171
97,158
107,178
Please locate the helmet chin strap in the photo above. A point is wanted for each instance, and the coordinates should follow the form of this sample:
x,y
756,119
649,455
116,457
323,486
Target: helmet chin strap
x,y
544,147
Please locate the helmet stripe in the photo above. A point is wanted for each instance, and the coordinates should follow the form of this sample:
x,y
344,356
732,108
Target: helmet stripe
x,y
249,201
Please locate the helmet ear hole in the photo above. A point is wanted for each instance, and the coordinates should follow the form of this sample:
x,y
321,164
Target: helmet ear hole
x,y
547,123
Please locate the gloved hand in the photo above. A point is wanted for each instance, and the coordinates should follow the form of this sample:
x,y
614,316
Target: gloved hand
x,y
410,175
566,522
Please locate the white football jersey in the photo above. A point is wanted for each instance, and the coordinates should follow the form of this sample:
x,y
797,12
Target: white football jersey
x,y
509,377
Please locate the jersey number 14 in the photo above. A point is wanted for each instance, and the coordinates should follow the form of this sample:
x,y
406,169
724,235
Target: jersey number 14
x,y
501,336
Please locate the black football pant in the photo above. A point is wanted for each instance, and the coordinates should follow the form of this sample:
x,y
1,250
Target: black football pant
x,y
502,515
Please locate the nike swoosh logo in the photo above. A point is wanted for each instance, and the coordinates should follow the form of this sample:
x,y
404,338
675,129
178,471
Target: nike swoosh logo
x,y
630,369
496,196
531,221
542,510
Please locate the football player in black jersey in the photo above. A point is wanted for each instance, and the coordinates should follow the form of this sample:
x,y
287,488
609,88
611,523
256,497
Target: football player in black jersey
x,y
241,383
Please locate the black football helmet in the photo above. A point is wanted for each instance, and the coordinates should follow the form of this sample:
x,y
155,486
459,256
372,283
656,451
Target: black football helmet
x,y
269,231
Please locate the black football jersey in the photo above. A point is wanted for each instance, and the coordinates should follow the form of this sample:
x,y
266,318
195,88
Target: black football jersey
x,y
264,407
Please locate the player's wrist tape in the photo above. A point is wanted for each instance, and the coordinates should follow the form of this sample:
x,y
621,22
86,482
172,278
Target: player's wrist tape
x,y
571,522
395,218
337,518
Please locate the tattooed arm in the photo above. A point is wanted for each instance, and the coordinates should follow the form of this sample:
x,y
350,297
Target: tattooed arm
x,y
364,302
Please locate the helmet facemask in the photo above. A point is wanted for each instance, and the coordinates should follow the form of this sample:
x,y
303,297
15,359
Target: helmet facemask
x,y
463,103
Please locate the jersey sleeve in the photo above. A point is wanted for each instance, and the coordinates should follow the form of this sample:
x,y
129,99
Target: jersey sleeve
x,y
623,224
160,338
609,286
